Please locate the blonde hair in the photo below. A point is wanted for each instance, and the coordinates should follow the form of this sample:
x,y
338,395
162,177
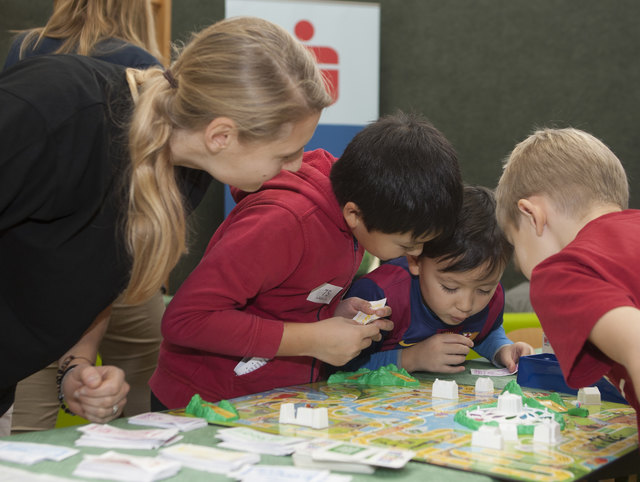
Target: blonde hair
x,y
82,24
247,69
573,168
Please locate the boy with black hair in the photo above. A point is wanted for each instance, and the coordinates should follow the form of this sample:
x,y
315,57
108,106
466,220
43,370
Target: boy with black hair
x,y
446,300
563,202
263,308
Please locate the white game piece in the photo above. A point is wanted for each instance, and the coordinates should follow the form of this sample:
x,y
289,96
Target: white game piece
x,y
589,396
509,404
548,432
287,413
445,389
509,431
487,436
306,416
313,417
484,386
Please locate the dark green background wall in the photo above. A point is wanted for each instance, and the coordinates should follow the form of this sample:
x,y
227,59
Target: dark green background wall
x,y
486,72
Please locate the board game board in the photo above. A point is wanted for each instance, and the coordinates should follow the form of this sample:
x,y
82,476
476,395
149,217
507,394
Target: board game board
x,y
408,417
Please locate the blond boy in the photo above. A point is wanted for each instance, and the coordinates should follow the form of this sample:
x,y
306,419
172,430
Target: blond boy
x,y
562,202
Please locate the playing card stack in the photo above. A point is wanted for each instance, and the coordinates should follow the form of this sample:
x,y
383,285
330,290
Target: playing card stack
x,y
29,453
247,439
165,420
116,466
208,459
97,435
348,457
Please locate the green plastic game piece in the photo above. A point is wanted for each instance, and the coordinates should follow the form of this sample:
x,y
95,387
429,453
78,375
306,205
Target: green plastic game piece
x,y
578,412
383,376
223,411
513,387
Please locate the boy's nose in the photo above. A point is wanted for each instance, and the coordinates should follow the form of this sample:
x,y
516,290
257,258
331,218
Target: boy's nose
x,y
464,304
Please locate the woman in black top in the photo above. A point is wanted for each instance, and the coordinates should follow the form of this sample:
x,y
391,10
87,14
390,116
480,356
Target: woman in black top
x,y
97,167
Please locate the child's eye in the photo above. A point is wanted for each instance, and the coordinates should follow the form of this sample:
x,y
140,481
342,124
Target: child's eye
x,y
448,290
484,292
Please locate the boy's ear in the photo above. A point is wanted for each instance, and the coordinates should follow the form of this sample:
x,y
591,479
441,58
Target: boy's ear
x,y
351,213
534,214
219,134
414,266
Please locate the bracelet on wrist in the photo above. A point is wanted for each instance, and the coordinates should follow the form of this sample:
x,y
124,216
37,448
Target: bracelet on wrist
x,y
65,368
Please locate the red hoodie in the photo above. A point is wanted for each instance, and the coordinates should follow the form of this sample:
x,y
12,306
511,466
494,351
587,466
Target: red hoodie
x,y
274,248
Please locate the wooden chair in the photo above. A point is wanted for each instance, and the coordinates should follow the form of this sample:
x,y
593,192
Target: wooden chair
x,y
162,17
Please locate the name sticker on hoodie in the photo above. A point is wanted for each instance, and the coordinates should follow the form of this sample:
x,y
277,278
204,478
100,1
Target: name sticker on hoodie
x,y
324,293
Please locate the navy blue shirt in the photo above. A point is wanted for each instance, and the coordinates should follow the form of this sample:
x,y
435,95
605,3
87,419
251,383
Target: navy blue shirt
x,y
112,50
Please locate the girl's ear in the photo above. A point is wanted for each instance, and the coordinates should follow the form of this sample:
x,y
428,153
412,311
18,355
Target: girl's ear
x,y
219,134
351,213
414,265
534,214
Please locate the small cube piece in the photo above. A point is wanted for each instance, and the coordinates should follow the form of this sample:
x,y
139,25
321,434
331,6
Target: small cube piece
x,y
445,389
589,396
484,386
305,416
547,432
487,436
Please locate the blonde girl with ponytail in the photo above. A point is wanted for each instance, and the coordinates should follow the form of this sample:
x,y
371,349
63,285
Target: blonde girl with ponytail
x,y
206,104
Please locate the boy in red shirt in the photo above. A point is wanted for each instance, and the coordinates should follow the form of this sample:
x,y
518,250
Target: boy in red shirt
x,y
263,308
562,202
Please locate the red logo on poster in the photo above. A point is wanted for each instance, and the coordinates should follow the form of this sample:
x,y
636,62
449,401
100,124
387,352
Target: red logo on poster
x,y
324,55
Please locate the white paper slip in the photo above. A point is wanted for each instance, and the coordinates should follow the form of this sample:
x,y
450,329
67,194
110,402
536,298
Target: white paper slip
x,y
324,293
117,466
209,459
493,372
29,453
244,438
107,436
165,420
249,364
366,319
378,456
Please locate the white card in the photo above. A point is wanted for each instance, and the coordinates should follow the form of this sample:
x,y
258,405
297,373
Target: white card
x,y
378,456
366,319
324,293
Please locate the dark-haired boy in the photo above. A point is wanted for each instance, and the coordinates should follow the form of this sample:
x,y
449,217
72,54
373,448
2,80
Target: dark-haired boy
x,y
447,300
269,286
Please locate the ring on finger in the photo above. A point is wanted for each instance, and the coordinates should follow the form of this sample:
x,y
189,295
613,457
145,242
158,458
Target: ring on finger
x,y
115,409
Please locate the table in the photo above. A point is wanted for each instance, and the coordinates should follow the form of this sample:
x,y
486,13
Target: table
x,y
205,436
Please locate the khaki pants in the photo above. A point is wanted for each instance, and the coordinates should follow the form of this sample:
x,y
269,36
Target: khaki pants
x,y
132,342
5,422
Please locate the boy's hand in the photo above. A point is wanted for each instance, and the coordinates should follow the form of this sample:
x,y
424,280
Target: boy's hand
x,y
509,355
338,340
350,306
96,393
441,353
